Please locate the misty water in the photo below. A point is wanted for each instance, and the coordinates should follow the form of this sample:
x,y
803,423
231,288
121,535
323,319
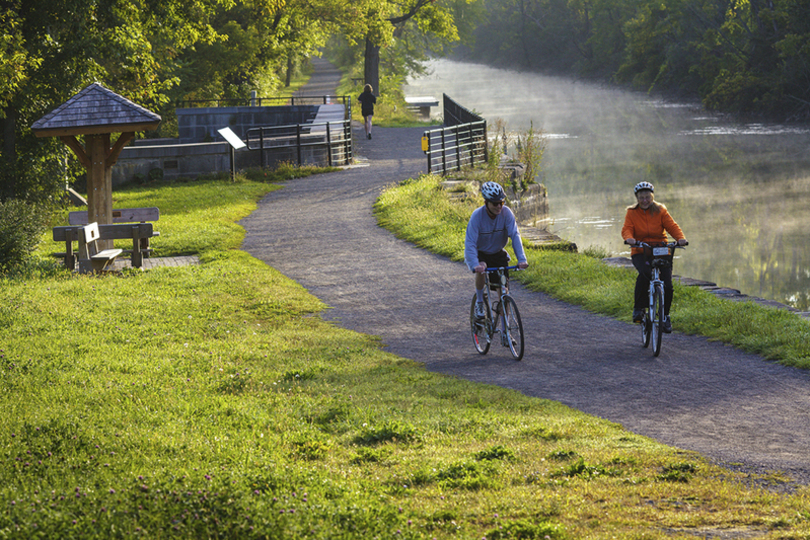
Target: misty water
x,y
740,192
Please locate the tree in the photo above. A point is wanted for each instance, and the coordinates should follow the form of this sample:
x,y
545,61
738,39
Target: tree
x,y
56,47
388,20
261,39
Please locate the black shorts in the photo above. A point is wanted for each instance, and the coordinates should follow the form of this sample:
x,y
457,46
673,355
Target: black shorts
x,y
495,260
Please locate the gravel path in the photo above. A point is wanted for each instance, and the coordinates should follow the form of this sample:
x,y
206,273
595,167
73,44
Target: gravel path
x,y
734,408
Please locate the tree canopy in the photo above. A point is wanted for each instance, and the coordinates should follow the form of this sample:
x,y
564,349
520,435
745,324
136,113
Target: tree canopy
x,y
53,48
159,52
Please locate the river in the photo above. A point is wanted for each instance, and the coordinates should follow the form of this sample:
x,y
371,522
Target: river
x,y
739,191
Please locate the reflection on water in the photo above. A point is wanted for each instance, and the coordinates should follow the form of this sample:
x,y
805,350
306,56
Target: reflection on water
x,y
739,191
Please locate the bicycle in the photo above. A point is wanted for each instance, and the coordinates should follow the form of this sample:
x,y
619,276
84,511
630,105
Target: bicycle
x,y
506,314
653,322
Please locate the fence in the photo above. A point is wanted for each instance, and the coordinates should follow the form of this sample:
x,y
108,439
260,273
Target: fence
x,y
462,142
346,101
303,143
455,113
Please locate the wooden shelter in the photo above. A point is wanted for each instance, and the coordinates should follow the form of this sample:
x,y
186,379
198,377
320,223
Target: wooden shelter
x,y
96,112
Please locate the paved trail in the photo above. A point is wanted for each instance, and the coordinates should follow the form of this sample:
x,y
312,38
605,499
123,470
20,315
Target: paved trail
x,y
697,395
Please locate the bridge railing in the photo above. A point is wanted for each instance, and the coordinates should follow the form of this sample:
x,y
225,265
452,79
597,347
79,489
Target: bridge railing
x,y
462,142
322,143
291,101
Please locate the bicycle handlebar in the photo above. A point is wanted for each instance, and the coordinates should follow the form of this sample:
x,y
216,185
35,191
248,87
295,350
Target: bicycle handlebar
x,y
515,267
667,244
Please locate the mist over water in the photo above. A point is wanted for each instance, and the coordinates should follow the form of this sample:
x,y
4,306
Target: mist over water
x,y
740,192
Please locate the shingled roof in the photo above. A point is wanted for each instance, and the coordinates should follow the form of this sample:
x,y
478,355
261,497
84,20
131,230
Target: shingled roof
x,y
95,110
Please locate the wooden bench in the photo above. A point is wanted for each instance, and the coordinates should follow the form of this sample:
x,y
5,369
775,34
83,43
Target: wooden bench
x,y
140,249
422,104
89,256
136,231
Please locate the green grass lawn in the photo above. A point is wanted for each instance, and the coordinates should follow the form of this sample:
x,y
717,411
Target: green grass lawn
x,y
213,401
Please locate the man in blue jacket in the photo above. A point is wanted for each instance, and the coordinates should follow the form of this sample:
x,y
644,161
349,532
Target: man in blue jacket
x,y
488,231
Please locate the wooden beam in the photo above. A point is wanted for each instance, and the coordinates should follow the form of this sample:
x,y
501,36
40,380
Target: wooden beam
x,y
123,139
74,145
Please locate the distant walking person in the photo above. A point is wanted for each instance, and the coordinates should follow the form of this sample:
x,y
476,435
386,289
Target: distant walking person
x,y
367,100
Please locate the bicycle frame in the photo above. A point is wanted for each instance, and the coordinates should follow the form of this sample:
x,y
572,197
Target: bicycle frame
x,y
508,318
503,287
652,325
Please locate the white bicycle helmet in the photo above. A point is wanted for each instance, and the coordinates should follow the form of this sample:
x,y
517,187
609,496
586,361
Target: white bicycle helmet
x,y
492,192
643,185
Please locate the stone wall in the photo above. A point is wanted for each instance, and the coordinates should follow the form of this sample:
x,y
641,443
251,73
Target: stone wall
x,y
200,149
191,160
530,205
174,160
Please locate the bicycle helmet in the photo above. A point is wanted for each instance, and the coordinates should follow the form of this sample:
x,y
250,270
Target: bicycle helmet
x,y
643,185
492,192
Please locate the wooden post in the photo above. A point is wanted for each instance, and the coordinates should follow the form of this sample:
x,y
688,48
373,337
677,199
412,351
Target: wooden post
x,y
99,182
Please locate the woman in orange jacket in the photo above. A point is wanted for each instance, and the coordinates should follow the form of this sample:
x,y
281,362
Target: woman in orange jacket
x,y
649,221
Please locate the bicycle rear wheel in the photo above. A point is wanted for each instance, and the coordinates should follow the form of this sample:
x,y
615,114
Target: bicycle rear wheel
x,y
480,327
657,317
513,326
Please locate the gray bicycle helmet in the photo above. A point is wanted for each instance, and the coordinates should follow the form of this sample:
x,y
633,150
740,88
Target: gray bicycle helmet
x,y
492,192
643,185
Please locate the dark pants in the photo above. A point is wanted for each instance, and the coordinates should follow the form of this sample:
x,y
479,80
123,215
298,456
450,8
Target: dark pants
x,y
642,264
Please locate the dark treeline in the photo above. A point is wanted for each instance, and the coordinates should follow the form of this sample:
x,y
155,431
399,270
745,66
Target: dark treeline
x,y
737,56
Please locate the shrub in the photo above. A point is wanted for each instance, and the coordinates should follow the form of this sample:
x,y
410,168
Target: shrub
x,y
21,227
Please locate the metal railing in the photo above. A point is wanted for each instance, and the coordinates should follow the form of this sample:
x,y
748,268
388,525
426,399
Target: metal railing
x,y
292,101
456,113
334,139
458,144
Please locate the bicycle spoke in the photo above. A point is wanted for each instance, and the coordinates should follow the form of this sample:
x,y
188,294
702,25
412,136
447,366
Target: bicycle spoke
x,y
513,327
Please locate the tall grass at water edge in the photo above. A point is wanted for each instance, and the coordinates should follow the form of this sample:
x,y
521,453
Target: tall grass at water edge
x,y
420,211
213,401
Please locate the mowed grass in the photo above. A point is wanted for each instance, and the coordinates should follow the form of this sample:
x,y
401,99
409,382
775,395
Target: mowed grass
x,y
420,211
213,401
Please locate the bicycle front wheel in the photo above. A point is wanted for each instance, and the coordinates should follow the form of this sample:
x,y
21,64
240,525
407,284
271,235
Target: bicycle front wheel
x,y
646,330
479,327
513,327
657,316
